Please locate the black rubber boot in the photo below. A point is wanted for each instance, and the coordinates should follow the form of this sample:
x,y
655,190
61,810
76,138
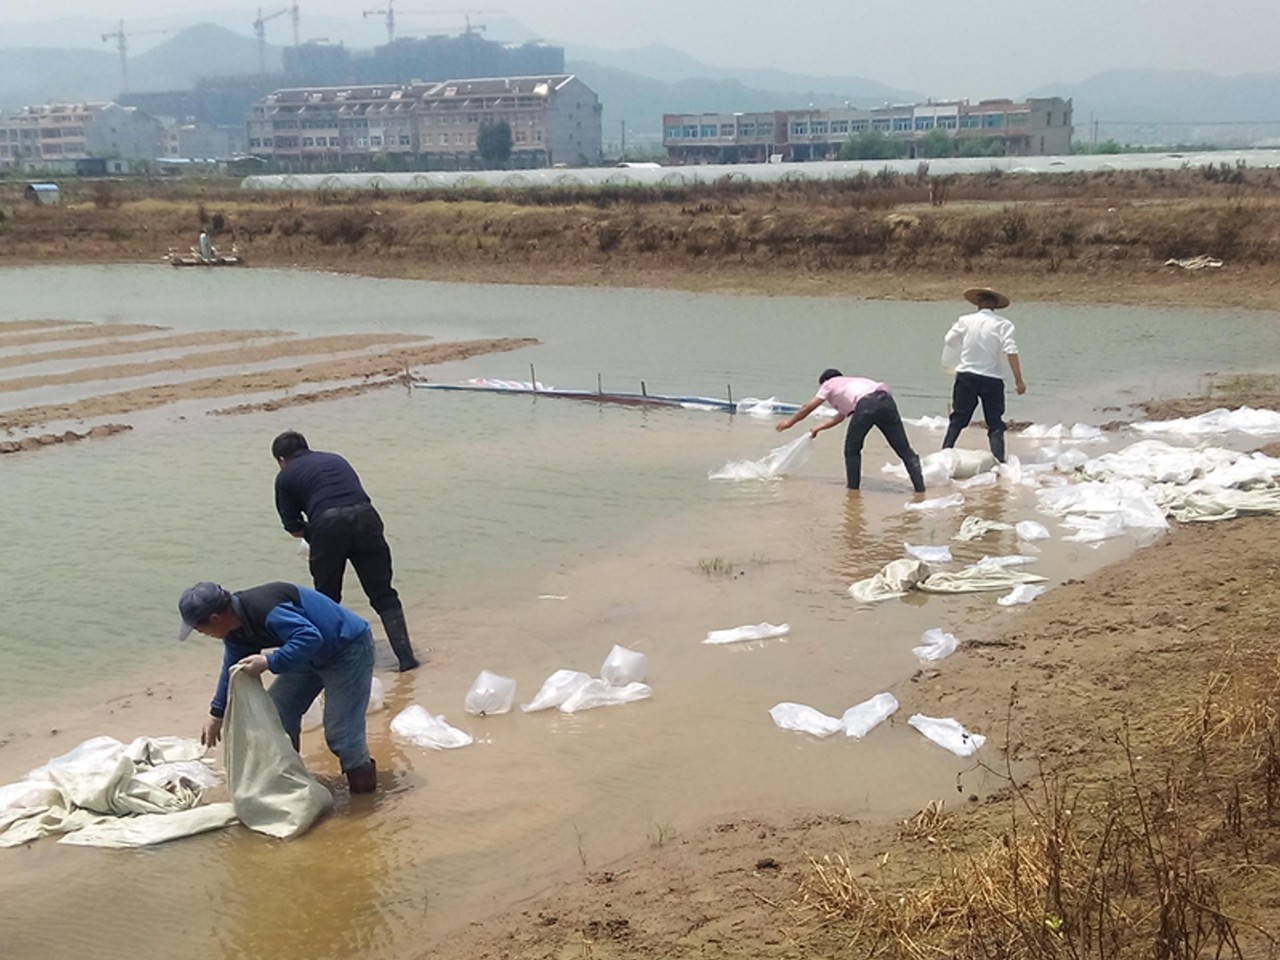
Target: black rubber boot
x,y
915,473
398,637
364,778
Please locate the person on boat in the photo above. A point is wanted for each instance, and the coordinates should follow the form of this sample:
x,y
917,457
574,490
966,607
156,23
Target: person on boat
x,y
974,347
315,645
865,404
320,499
205,246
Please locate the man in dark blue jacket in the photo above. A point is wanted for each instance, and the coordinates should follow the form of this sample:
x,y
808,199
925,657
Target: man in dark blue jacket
x,y
319,498
314,643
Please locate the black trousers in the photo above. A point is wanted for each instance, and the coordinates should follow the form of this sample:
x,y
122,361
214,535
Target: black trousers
x,y
968,390
352,533
880,411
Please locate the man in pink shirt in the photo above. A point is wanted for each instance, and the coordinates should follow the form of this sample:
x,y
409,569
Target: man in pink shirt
x,y
865,404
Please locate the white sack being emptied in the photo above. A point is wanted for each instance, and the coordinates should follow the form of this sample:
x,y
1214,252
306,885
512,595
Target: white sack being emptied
x,y
779,462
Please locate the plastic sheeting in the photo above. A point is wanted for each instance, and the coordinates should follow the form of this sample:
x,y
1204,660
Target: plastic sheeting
x,y
271,790
599,693
948,733
754,631
1022,593
1256,423
556,689
928,554
779,462
936,503
1030,530
1077,433
973,527
102,781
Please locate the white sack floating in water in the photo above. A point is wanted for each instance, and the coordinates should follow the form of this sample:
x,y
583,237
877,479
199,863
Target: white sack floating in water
x,y
755,631
927,553
936,503
598,693
556,689
804,719
623,666
861,719
489,694
419,727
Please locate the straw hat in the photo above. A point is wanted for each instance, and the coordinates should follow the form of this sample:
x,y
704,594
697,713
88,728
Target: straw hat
x,y
973,293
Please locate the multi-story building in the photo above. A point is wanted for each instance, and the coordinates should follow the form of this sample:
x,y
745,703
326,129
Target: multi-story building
x,y
194,141
53,134
553,119
1029,127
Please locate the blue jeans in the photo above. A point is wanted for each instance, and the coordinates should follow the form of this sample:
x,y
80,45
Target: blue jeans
x,y
345,681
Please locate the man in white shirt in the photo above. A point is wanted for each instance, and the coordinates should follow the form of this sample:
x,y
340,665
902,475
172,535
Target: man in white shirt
x,y
975,347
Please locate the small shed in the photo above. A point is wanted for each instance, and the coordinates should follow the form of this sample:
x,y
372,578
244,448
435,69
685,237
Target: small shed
x,y
43,194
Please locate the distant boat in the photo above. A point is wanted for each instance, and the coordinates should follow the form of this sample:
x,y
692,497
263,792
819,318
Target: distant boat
x,y
194,259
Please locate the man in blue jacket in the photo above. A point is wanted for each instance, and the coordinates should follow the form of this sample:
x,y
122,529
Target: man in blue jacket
x,y
314,645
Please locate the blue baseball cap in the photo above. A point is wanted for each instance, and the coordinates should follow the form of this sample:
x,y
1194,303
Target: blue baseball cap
x,y
198,603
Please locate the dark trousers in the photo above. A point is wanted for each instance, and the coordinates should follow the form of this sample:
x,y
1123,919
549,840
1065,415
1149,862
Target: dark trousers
x,y
968,390
880,411
352,533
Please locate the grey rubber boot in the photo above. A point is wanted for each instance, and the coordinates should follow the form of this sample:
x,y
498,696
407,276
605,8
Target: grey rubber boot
x,y
398,636
364,778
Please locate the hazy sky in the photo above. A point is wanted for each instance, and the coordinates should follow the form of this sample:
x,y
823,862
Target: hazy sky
x,y
940,47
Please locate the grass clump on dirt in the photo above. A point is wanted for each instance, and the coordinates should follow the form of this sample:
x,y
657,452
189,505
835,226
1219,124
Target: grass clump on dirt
x,y
1171,854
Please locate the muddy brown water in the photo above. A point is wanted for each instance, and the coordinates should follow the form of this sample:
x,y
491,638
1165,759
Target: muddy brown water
x,y
529,535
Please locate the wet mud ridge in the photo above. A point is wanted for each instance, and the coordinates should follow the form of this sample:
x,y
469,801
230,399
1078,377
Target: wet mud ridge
x,y
62,381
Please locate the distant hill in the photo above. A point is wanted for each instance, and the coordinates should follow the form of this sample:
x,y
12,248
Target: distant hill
x,y
1147,106
672,66
641,101
39,75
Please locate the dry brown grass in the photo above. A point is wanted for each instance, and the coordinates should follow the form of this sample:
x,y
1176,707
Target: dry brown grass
x,y
1169,860
1103,224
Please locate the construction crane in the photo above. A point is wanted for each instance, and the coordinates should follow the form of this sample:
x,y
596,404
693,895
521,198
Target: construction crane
x,y
260,30
122,44
390,13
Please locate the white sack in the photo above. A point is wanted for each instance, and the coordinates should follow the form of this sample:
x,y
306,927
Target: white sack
x,y
420,728
1244,420
975,579
928,423
623,666
556,689
977,481
935,645
893,580
1022,593
973,527
928,554
1032,530
598,693
860,720
490,694
779,462
754,631
271,790
936,503
151,828
1093,529
948,733
797,716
